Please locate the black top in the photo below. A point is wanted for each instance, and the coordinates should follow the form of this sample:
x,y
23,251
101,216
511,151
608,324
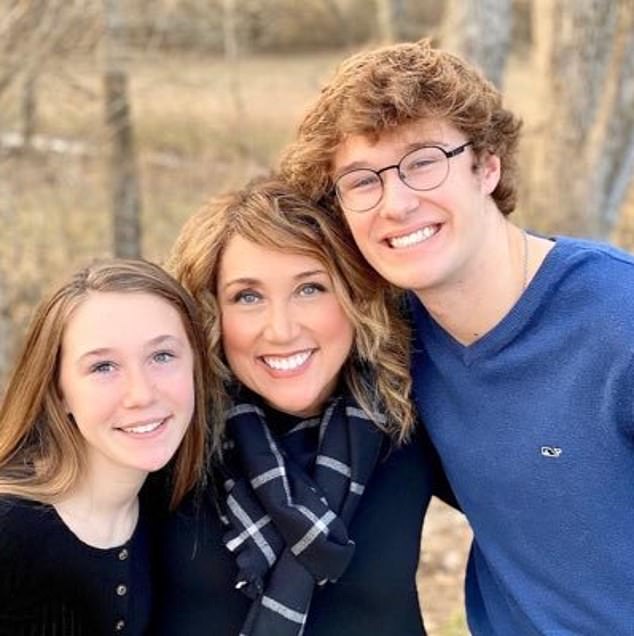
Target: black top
x,y
376,595
53,584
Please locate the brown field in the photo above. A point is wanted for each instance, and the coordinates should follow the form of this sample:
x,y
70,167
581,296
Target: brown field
x,y
195,136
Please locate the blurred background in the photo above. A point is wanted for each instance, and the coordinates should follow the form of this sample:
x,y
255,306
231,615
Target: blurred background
x,y
118,118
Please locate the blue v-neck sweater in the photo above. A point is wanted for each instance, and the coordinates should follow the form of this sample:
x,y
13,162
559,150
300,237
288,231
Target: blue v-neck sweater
x,y
534,424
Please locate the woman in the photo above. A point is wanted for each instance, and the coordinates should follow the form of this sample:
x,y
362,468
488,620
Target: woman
x,y
107,389
318,529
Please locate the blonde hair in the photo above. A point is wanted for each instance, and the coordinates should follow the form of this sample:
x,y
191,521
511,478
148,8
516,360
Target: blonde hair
x,y
374,92
269,213
41,450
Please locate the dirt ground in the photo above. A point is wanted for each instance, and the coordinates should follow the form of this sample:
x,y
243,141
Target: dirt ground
x,y
445,544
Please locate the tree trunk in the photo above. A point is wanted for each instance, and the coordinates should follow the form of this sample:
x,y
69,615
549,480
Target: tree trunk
x,y
585,78
385,20
613,153
232,54
5,318
125,196
29,109
480,31
232,59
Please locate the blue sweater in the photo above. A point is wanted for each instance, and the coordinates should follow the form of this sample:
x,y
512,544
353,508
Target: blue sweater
x,y
534,424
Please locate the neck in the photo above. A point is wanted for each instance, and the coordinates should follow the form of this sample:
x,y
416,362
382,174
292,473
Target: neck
x,y
102,510
492,281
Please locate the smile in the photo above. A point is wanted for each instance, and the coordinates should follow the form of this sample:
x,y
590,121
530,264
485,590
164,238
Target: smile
x,y
419,236
142,429
287,363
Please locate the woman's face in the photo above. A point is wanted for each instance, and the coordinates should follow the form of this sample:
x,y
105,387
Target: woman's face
x,y
126,377
284,332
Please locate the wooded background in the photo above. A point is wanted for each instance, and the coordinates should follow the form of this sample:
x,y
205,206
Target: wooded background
x,y
119,117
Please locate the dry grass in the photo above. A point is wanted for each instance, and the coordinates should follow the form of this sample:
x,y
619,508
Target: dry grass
x,y
55,208
195,137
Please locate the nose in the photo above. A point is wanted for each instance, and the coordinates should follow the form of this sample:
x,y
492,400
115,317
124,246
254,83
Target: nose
x,y
281,323
398,198
139,390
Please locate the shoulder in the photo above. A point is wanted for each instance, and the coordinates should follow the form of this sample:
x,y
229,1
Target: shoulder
x,y
22,521
16,512
592,274
25,533
595,256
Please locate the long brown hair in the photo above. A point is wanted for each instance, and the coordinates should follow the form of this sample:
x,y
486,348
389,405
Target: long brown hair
x,y
269,213
41,451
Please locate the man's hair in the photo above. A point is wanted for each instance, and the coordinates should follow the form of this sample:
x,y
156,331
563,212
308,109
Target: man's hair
x,y
374,92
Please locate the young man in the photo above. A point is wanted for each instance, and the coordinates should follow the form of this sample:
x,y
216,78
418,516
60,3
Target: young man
x,y
524,362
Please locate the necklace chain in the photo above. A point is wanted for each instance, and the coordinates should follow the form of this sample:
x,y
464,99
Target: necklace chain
x,y
525,273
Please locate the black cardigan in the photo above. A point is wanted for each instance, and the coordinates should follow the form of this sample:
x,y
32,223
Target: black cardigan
x,y
376,595
53,584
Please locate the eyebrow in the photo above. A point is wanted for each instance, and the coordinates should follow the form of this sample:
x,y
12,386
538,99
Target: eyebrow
x,y
104,351
410,147
247,280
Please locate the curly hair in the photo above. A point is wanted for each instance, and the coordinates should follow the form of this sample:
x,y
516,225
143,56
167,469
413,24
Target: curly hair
x,y
269,213
374,92
42,452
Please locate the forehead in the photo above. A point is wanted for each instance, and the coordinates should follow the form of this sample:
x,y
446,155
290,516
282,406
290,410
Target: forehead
x,y
361,151
243,258
107,318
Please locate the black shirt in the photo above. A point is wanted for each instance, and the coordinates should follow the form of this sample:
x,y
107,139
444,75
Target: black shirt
x,y
376,595
53,584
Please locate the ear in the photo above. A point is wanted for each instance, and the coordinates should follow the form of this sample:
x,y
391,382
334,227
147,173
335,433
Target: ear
x,y
490,172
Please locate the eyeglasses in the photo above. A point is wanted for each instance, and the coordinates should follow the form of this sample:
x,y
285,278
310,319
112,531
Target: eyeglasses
x,y
422,169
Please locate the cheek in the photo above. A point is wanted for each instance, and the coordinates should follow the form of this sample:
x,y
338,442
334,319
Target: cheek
x,y
236,337
359,224
187,397
336,327
85,403
182,388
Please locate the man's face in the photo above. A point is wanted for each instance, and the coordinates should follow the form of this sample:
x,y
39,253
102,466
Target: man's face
x,y
423,240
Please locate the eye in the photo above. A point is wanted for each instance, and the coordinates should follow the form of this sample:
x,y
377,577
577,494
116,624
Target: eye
x,y
311,289
246,297
360,179
163,356
102,367
422,160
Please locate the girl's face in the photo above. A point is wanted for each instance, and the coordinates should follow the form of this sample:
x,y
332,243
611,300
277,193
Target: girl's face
x,y
284,332
126,377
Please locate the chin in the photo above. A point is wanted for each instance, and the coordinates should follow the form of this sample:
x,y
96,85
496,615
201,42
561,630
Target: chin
x,y
152,464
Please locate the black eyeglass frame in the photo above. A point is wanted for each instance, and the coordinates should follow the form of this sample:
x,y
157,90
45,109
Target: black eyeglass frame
x,y
448,154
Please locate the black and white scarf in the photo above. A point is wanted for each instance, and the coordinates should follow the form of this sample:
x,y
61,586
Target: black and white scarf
x,y
288,527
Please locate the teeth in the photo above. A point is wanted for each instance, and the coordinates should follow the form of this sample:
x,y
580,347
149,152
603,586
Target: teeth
x,y
288,363
145,428
415,237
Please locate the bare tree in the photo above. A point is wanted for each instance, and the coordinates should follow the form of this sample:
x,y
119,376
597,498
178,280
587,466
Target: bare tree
x,y
5,336
29,107
232,54
585,157
385,19
5,318
125,199
480,31
31,31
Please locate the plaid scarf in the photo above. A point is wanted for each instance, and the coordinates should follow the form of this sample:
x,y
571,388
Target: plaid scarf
x,y
288,522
